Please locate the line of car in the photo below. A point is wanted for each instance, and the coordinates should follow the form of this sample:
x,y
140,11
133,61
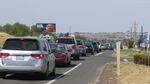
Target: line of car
x,y
34,55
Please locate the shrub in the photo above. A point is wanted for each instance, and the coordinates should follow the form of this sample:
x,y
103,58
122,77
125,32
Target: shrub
x,y
142,58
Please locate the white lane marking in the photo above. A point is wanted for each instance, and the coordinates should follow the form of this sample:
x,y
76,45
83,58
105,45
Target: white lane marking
x,y
99,54
50,82
125,60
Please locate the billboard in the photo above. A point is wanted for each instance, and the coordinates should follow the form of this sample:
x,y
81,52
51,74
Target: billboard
x,y
46,27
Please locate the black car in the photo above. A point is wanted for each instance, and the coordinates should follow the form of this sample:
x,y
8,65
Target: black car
x,y
96,48
89,47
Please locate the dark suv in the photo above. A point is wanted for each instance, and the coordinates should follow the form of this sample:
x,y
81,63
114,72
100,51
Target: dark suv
x,y
96,48
89,47
72,43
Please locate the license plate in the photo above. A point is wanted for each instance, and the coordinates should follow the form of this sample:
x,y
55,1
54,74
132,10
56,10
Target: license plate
x,y
20,58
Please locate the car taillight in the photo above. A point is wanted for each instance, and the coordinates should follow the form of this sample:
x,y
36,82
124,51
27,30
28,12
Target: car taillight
x,y
81,46
39,55
74,46
4,54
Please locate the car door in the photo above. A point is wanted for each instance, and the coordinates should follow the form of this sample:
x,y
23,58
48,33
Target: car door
x,y
51,56
47,58
68,51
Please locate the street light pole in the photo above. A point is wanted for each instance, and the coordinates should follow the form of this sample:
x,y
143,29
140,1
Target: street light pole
x,y
148,47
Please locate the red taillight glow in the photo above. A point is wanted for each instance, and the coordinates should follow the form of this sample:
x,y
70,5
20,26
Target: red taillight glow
x,y
39,55
4,54
74,46
81,46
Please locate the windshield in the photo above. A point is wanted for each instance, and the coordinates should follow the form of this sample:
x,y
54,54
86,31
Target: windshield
x,y
88,44
79,42
18,44
58,47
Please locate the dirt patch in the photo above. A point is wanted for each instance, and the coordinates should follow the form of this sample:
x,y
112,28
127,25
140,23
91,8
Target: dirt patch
x,y
108,75
130,74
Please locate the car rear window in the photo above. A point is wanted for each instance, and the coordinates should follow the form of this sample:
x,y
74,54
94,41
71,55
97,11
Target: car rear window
x,y
88,44
94,43
21,44
98,43
58,47
66,41
79,42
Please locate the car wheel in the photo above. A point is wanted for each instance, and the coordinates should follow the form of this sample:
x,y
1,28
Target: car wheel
x,y
46,74
85,54
3,75
92,53
69,63
76,58
54,71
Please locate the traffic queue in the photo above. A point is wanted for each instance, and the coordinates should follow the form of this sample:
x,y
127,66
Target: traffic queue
x,y
42,54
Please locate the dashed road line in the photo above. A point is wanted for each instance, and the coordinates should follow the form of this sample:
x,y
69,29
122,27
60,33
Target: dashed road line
x,y
99,54
50,82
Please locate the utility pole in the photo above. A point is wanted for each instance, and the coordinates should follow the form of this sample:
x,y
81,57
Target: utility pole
x,y
131,33
70,29
135,33
141,38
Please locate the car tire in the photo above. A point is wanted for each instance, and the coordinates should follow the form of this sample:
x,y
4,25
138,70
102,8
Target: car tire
x,y
97,51
46,74
3,75
92,53
69,63
54,71
77,57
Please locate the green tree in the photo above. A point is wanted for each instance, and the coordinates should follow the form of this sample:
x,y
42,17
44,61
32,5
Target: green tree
x,y
1,28
34,31
8,29
130,43
80,37
20,29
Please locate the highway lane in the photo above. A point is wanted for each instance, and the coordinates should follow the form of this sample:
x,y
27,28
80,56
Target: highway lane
x,y
83,71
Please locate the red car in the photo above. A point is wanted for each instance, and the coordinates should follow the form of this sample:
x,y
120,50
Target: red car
x,y
62,54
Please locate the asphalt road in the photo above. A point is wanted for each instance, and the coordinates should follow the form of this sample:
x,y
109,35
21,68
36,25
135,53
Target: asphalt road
x,y
84,71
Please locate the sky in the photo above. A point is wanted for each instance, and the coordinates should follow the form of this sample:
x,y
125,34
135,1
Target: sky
x,y
79,15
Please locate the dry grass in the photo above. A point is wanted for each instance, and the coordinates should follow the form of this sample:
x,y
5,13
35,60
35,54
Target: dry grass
x,y
3,37
125,53
134,74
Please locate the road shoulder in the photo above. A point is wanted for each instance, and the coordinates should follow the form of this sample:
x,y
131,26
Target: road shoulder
x,y
108,75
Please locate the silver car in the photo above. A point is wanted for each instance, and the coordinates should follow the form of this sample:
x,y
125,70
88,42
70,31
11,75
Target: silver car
x,y
72,43
26,55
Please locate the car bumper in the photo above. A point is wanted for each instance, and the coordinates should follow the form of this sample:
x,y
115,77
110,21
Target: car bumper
x,y
89,50
60,61
39,68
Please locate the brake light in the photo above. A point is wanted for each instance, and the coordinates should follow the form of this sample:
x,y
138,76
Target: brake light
x,y
74,46
39,55
81,46
4,54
